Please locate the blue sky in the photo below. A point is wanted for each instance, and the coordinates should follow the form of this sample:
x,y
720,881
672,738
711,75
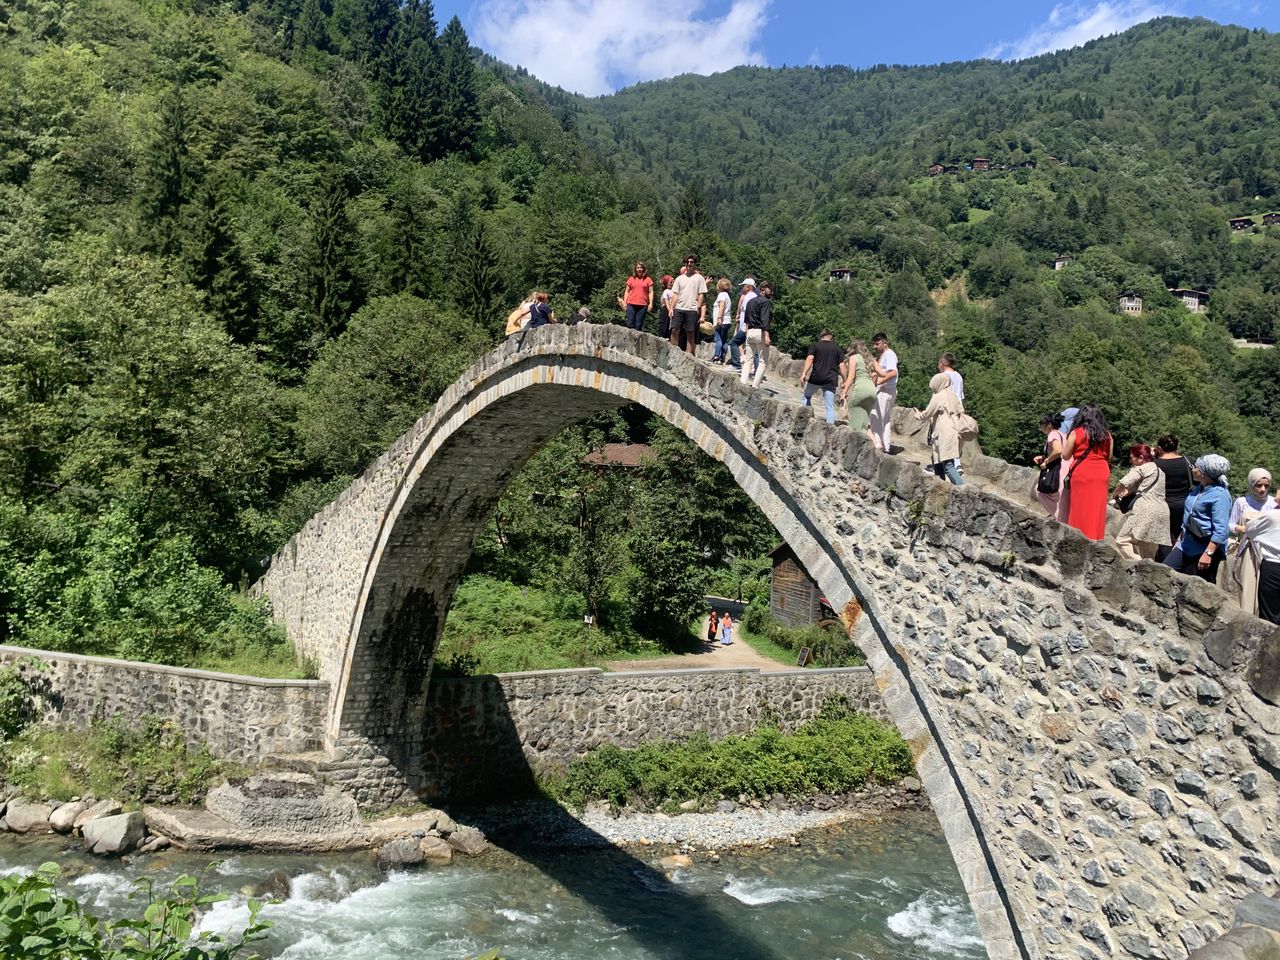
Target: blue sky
x,y
596,46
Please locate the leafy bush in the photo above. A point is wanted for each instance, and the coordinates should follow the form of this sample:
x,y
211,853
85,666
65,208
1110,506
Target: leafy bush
x,y
839,750
135,762
39,923
829,643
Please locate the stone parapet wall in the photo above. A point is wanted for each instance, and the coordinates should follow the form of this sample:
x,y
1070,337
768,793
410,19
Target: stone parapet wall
x,y
244,719
486,734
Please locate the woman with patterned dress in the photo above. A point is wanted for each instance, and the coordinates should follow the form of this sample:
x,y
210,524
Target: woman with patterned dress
x,y
1146,525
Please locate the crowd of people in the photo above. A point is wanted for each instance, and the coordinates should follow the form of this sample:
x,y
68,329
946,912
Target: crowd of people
x,y
1176,511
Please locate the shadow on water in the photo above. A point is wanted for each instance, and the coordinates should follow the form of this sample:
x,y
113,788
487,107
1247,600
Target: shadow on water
x,y
475,758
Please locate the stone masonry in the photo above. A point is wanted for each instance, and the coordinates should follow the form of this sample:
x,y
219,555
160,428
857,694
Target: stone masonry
x,y
486,734
244,719
1097,737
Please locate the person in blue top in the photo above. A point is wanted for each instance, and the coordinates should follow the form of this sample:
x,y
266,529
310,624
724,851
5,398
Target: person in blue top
x,y
540,313
1203,541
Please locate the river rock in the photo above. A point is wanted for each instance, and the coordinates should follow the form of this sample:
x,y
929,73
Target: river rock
x,y
113,836
445,824
677,861
400,853
103,808
63,820
689,806
468,840
281,802
155,845
436,850
28,816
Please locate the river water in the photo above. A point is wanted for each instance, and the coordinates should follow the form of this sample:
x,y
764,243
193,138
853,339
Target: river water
x,y
884,890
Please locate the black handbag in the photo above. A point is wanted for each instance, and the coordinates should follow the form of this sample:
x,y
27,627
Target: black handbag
x,y
1125,503
1050,478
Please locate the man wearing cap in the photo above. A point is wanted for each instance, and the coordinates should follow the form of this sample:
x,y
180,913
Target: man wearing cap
x,y
691,305
758,314
748,288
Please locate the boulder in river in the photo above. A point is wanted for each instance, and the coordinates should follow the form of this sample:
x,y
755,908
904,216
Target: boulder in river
x,y
63,820
283,803
468,840
114,836
400,853
103,808
436,850
28,816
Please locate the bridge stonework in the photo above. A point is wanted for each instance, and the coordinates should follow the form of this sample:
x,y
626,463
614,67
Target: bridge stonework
x,y
1097,738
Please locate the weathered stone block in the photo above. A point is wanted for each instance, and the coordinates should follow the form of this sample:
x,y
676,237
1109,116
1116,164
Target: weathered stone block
x,y
114,836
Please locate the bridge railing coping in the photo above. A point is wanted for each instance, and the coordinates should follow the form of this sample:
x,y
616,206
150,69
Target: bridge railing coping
x,y
669,672
11,654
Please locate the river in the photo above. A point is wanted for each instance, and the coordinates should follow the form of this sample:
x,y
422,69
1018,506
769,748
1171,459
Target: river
x,y
885,890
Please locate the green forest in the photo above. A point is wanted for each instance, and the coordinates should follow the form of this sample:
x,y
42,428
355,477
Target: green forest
x,y
244,245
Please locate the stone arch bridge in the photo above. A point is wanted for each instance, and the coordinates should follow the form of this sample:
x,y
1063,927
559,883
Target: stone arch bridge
x,y
1097,738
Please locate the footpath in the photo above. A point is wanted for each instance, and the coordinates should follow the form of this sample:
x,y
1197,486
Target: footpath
x,y
707,656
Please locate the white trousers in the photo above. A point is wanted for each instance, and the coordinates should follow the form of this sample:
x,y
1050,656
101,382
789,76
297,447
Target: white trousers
x,y
754,347
882,419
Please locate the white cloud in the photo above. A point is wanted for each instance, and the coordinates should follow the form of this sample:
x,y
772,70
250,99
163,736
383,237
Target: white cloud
x,y
1070,25
596,46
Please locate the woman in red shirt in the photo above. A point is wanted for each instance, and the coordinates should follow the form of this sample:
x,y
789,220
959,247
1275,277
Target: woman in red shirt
x,y
1089,446
639,296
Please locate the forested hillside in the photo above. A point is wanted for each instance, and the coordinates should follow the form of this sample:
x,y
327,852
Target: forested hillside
x,y
245,245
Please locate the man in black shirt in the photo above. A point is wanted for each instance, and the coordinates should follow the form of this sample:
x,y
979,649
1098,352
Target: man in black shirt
x,y
824,368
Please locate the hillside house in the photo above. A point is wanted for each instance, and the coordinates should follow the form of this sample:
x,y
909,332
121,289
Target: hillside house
x,y
952,168
980,163
1240,224
794,597
1131,303
1271,219
844,274
1197,301
1027,165
1063,261
935,169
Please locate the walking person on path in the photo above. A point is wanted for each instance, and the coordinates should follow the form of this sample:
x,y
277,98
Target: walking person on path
x,y
638,297
690,289
1051,427
1203,542
726,629
858,391
885,377
748,288
722,320
1088,446
943,416
824,369
713,627
758,314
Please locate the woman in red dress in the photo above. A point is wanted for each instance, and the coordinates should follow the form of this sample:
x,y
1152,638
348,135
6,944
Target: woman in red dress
x,y
1089,445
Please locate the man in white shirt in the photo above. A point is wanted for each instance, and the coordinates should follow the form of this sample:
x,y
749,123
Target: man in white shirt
x,y
947,365
691,305
885,377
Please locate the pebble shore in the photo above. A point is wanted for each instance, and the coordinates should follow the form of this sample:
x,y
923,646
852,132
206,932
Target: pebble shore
x,y
543,824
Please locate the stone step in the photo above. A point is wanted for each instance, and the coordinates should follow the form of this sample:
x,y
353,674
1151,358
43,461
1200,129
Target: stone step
x,y
313,762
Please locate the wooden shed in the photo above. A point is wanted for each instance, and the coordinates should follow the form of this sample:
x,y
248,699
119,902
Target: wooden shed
x,y
794,597
1240,224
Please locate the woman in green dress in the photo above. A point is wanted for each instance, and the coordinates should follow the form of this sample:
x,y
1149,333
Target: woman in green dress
x,y
858,390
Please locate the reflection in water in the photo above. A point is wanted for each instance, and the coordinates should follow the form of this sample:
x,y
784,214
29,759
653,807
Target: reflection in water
x,y
884,891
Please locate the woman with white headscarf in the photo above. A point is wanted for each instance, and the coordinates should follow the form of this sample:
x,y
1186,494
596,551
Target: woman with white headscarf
x,y
1262,538
1203,540
944,413
1246,567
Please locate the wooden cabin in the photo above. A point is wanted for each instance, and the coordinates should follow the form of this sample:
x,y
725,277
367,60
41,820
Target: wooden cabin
x,y
935,169
1063,261
627,456
794,597
1131,303
1197,301
980,163
1240,224
1271,219
844,274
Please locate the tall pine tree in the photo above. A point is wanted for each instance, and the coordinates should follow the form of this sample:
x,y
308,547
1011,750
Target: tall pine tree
x,y
479,283
457,116
373,29
311,32
216,264
335,287
167,178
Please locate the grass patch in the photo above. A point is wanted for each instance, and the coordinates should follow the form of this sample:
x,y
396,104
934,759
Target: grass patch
x,y
135,762
767,646
829,645
839,750
270,663
499,627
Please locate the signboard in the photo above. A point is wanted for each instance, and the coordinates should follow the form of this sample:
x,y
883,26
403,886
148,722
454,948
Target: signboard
x,y
803,657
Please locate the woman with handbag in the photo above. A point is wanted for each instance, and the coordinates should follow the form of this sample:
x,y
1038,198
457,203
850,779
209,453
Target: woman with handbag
x,y
1088,446
1140,496
1203,540
943,415
1049,483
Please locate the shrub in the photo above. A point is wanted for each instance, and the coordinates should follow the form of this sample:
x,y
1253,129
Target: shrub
x,y
837,751
829,643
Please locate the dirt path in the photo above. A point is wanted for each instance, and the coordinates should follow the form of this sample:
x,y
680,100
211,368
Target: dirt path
x,y
708,657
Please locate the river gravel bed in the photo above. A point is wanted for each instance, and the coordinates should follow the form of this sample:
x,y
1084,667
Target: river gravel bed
x,y
543,824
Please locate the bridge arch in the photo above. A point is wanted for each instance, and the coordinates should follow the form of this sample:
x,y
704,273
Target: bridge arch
x,y
365,589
